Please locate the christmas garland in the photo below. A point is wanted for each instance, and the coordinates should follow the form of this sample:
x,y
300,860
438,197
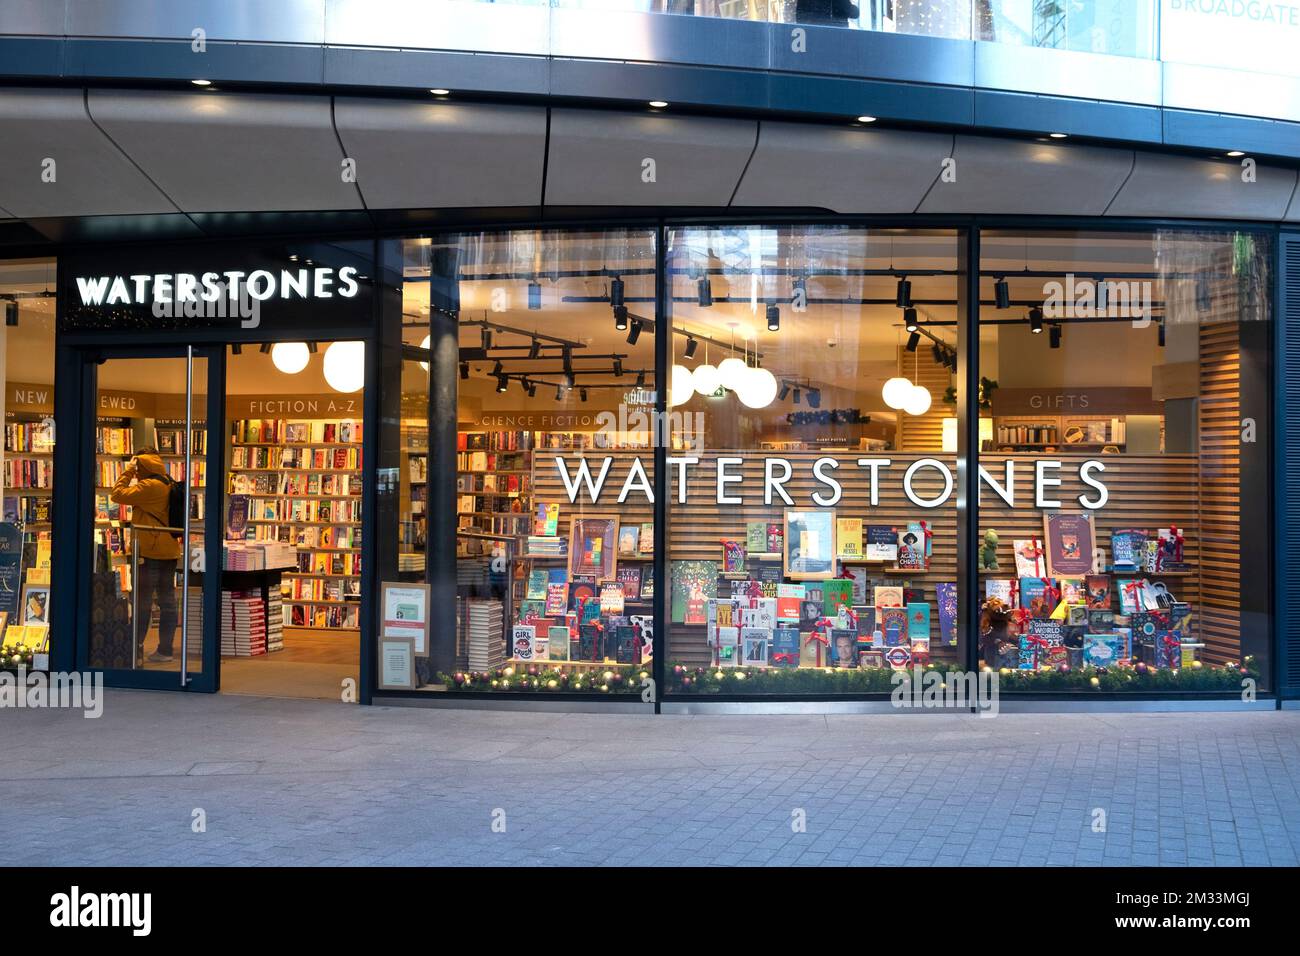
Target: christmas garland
x,y
550,677
12,656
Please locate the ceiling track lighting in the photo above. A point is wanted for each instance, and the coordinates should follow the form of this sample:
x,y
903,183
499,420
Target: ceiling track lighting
x,y
938,352
903,295
796,395
559,393
618,368
534,295
1002,293
1160,333
640,379
532,389
909,321
535,349
1054,336
704,292
235,348
773,317
498,368
616,292
486,338
582,393
691,346
502,383
634,332
264,348
785,391
1036,320
913,341
620,318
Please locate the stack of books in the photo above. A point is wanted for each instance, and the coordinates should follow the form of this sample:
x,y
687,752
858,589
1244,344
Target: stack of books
x,y
243,624
274,620
545,546
194,618
486,643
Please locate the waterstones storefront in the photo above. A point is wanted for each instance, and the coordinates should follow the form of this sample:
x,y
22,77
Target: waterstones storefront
x,y
661,466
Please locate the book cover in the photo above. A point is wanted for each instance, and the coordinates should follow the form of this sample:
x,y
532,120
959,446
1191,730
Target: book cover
x,y
848,538
836,593
537,582
754,641
693,584
647,542
630,578
775,537
918,623
893,625
629,539
1127,548
1101,650
756,536
727,643
785,647
945,594
733,557
647,581
1029,558
1001,589
1034,598
643,625
810,612
788,599
1097,587
557,643
888,596
844,647
911,549
1072,591
866,621
1101,620
1067,543
882,543
548,518
611,597
582,591
523,641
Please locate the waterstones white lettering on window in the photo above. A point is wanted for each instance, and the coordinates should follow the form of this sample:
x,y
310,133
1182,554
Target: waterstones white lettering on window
x,y
729,481
321,282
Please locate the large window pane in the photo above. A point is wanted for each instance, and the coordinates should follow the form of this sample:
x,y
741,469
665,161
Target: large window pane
x,y
812,520
1126,398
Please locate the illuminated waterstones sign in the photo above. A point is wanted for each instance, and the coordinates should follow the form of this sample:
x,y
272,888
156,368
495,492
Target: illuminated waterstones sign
x,y
727,487
322,282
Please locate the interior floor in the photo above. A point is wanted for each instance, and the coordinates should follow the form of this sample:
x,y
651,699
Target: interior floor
x,y
313,664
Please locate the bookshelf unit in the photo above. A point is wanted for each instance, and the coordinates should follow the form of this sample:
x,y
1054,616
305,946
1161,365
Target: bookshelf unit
x,y
302,478
1059,432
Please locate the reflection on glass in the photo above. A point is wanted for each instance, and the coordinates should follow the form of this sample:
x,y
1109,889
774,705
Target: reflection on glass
x,y
1121,507
812,531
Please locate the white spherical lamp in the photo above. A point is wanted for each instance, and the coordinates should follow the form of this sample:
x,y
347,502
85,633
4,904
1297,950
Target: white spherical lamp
x,y
681,386
918,402
290,357
732,373
896,392
706,379
345,366
759,389
425,345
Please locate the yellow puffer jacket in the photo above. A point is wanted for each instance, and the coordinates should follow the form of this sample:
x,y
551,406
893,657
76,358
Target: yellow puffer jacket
x,y
148,500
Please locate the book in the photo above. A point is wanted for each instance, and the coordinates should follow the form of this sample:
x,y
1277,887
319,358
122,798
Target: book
x,y
946,597
1029,558
848,538
775,537
733,557
693,584
1097,588
538,579
913,547
647,542
630,578
756,536
629,540
918,623
1126,550
788,599
548,518
844,647
1000,588
785,647
647,581
882,543
523,642
754,641
1072,591
611,597
836,593
557,592
866,621
1034,597
893,625
888,596
557,643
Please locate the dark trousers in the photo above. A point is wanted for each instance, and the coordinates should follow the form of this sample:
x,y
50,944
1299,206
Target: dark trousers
x,y
157,582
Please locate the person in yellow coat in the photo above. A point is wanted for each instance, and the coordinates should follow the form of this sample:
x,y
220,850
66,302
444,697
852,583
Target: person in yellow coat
x,y
144,486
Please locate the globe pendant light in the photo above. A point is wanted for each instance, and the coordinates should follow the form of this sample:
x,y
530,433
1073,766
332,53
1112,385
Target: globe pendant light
x,y
918,400
732,373
759,388
707,380
290,357
896,391
681,386
345,366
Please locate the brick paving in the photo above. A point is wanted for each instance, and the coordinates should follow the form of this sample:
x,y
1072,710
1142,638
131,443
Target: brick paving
x,y
305,782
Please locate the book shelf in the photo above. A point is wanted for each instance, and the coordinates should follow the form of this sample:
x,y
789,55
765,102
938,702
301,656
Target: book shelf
x,y
28,474
303,481
1059,432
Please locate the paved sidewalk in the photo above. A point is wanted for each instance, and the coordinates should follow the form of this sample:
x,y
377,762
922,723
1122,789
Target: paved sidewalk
x,y
305,782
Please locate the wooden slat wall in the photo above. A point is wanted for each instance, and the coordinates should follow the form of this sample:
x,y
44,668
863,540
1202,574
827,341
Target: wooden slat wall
x,y
924,432
1220,490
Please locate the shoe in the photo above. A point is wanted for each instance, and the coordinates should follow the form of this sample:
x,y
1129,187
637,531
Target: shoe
x,y
156,658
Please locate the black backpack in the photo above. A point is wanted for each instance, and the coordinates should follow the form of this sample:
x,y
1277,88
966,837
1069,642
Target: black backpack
x,y
175,505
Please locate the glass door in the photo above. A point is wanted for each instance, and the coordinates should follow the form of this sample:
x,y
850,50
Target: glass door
x,y
151,452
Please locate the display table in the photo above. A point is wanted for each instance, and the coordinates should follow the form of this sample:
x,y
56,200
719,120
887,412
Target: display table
x,y
252,619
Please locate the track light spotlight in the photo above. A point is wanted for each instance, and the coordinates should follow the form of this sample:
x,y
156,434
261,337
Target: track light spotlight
x,y
1160,333
938,353
582,393
634,332
264,348
903,297
640,379
464,370
913,341
618,368
1036,320
773,317
616,292
1002,293
704,292
535,349
502,383
532,390
559,393
1054,336
796,396
785,391
691,346
497,369
487,338
235,347
312,347
909,319
534,295
620,318
815,397
951,361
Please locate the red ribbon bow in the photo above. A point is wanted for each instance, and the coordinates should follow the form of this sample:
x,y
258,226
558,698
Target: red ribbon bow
x,y
783,658
817,640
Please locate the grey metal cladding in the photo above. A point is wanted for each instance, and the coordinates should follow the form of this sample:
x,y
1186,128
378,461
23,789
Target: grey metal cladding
x,y
1192,188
